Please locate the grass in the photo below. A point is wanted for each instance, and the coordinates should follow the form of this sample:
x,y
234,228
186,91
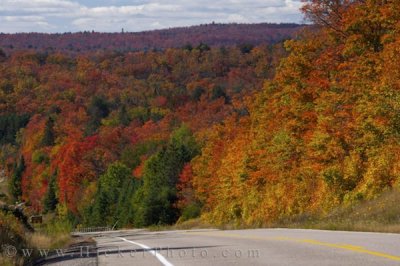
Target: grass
x,y
378,215
54,234
45,241
6,261
196,223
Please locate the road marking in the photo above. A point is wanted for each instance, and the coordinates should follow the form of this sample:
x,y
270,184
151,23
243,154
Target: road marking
x,y
306,241
160,257
349,247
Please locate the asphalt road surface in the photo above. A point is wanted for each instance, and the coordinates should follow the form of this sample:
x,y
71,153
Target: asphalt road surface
x,y
245,247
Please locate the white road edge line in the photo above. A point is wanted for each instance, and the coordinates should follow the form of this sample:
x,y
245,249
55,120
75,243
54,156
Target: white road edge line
x,y
160,257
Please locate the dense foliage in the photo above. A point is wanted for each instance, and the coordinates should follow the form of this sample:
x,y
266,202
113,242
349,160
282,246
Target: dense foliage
x,y
211,34
323,133
152,137
103,139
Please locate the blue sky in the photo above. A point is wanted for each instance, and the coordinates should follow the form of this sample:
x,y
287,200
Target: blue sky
x,y
138,15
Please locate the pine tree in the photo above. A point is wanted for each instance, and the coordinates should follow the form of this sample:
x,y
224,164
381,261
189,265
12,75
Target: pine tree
x,y
16,179
100,210
48,136
114,193
160,178
50,201
3,55
123,116
97,110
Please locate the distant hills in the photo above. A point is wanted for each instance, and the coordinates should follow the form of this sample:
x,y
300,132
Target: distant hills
x,y
210,34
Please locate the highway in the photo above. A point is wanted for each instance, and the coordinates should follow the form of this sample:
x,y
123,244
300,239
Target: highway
x,y
246,247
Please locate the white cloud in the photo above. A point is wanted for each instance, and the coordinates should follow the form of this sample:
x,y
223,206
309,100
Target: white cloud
x,y
19,23
136,15
237,18
37,6
23,19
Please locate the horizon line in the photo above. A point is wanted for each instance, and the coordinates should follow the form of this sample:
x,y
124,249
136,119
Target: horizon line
x,y
155,30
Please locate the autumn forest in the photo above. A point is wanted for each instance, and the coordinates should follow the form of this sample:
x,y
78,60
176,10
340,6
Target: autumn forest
x,y
241,133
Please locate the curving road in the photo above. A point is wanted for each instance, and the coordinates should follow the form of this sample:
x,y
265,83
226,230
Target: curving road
x,y
247,247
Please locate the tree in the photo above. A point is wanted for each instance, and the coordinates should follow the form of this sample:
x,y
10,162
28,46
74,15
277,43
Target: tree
x,y
10,124
196,94
98,214
123,116
113,201
97,110
246,48
125,207
160,177
16,179
48,135
219,92
50,200
187,203
75,169
2,55
202,47
328,13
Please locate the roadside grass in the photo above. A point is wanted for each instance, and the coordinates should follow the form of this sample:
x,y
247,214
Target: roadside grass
x,y
378,215
195,223
44,241
14,237
7,261
53,234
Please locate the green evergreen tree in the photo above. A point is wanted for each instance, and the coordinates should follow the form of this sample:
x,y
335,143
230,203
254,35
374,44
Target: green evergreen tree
x,y
196,95
100,212
219,92
48,136
10,124
202,47
50,200
125,208
123,116
97,110
160,176
15,184
115,191
3,55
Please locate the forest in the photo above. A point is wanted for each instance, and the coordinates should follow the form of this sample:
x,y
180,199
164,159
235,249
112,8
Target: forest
x,y
109,134
237,134
214,34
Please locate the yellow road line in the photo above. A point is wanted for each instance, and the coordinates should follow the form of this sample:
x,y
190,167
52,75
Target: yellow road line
x,y
306,241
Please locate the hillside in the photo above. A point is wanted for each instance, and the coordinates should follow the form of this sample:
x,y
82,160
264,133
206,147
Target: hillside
x,y
210,34
239,135
98,136
323,133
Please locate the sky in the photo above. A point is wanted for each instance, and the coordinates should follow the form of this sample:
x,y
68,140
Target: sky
x,y
138,15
